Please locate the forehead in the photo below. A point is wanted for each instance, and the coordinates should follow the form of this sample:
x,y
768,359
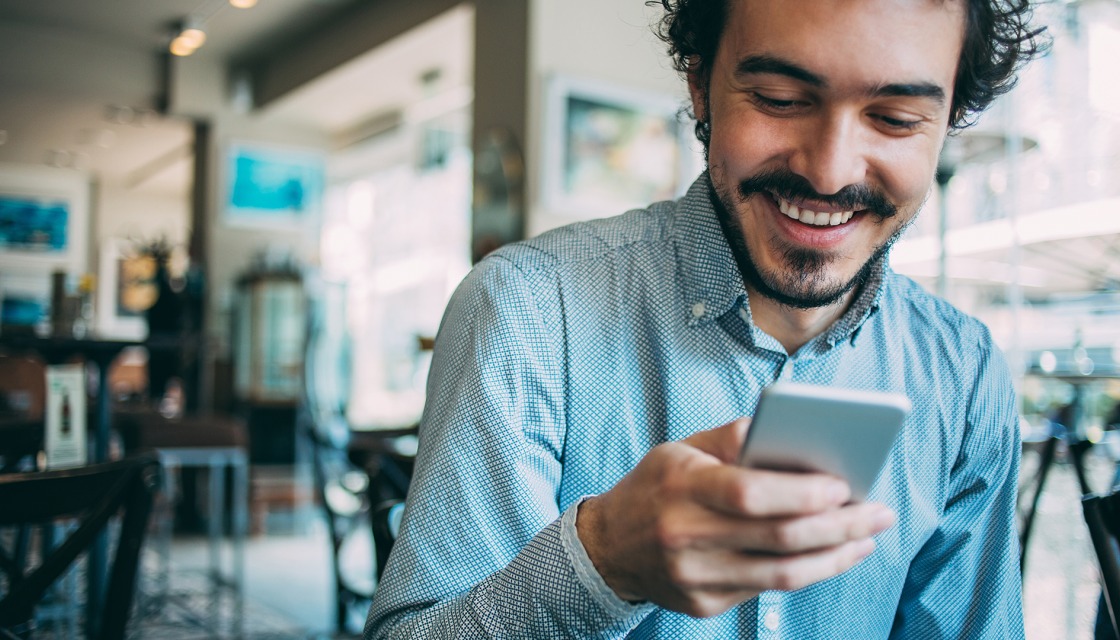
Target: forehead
x,y
869,40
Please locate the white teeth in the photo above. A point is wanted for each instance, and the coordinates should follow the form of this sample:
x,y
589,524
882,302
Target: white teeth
x,y
821,219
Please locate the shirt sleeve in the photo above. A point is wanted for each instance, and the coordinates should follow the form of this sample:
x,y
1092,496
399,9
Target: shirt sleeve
x,y
482,550
965,581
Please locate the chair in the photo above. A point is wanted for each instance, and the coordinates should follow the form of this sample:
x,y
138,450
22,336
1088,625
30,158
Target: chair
x,y
342,490
92,495
1030,491
1102,515
386,525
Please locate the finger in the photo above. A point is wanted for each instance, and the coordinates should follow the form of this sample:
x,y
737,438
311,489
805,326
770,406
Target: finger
x,y
723,571
724,443
759,493
797,534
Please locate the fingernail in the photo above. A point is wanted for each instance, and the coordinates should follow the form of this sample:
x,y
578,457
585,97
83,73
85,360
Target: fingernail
x,y
883,519
838,492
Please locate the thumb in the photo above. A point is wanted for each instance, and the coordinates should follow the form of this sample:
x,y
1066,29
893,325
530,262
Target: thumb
x,y
723,442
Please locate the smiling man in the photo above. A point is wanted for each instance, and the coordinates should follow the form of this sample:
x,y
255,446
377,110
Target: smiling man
x,y
573,480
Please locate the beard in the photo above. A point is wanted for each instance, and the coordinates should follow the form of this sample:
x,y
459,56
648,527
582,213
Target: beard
x,y
806,279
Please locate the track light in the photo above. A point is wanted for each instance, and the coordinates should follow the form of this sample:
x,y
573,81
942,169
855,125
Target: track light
x,y
188,38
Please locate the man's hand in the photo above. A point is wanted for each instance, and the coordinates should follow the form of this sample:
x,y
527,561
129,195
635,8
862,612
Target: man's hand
x,y
690,530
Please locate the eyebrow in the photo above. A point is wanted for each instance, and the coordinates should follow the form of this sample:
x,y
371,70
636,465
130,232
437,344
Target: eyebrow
x,y
772,65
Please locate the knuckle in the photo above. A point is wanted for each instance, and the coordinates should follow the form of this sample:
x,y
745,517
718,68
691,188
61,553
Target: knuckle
x,y
670,533
703,606
787,577
787,536
856,529
681,575
745,496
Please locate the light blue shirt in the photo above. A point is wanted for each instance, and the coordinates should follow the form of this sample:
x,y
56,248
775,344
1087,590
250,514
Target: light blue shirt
x,y
563,360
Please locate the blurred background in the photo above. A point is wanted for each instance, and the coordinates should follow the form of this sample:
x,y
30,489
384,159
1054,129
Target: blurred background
x,y
255,212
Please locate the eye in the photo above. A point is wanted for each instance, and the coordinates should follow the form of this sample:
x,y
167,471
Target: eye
x,y
776,105
898,124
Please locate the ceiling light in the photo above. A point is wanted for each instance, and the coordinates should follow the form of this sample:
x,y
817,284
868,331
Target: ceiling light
x,y
193,34
181,47
243,4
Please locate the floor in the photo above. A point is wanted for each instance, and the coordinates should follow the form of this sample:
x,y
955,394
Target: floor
x,y
289,590
289,580
1060,588
289,583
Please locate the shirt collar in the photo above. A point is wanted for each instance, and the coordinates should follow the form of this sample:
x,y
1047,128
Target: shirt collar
x,y
710,280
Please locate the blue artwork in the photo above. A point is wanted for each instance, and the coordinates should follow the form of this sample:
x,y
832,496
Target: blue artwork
x,y
21,312
33,225
270,185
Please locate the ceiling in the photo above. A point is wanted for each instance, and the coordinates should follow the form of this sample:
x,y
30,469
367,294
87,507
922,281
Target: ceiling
x,y
104,127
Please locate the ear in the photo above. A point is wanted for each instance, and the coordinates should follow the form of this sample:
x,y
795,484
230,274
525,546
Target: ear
x,y
698,89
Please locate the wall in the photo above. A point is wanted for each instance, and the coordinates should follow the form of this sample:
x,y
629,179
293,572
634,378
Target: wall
x,y
143,215
58,83
200,90
606,40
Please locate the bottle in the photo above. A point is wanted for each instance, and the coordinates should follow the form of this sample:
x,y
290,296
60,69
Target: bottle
x,y
66,421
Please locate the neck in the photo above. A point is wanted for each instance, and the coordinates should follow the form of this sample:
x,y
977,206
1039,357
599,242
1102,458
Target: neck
x,y
795,327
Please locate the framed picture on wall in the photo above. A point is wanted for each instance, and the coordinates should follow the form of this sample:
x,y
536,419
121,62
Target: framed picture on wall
x,y
43,221
125,289
268,186
608,149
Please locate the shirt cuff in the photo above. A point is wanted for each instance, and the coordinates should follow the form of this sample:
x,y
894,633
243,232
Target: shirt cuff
x,y
589,576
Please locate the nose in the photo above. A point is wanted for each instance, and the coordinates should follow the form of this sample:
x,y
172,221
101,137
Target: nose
x,y
831,154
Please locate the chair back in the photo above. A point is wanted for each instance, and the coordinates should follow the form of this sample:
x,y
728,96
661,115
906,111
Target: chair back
x,y
91,495
342,490
1030,490
1102,515
386,527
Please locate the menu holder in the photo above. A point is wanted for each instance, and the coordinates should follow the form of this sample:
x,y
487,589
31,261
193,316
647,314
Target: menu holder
x,y
65,441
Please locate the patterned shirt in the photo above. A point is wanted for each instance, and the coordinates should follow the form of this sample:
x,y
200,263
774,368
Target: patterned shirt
x,y
563,360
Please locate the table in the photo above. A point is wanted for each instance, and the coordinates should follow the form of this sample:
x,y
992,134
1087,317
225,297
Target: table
x,y
57,350
216,460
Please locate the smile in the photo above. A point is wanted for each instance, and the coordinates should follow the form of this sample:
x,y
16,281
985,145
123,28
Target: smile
x,y
814,218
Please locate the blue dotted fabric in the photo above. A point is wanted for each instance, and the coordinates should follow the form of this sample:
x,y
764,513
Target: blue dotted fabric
x,y
562,360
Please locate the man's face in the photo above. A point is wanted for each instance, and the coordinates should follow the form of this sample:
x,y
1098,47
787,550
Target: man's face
x,y
834,107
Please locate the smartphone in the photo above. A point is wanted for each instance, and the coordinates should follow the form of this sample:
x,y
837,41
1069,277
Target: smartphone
x,y
844,432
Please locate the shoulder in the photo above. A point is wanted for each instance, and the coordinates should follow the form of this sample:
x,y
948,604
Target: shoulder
x,y
576,259
924,314
578,245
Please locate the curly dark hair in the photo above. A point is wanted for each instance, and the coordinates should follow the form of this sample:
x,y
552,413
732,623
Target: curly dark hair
x,y
998,41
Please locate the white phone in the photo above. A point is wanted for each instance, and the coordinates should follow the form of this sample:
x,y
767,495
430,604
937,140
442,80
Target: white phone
x,y
844,432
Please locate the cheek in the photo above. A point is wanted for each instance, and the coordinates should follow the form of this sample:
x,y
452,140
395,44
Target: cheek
x,y
743,145
907,173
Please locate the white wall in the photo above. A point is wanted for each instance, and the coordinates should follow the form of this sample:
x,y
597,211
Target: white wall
x,y
201,89
141,215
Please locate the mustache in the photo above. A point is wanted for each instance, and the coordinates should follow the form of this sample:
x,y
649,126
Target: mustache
x,y
789,185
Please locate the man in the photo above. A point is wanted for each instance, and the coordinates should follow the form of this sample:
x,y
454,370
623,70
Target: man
x,y
570,482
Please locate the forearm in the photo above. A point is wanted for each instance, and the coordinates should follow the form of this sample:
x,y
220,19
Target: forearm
x,y
539,594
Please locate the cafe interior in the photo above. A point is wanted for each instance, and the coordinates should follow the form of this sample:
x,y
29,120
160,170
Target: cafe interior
x,y
229,228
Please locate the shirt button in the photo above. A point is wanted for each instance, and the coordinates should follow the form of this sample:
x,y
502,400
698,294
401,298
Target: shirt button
x,y
698,310
786,372
772,619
